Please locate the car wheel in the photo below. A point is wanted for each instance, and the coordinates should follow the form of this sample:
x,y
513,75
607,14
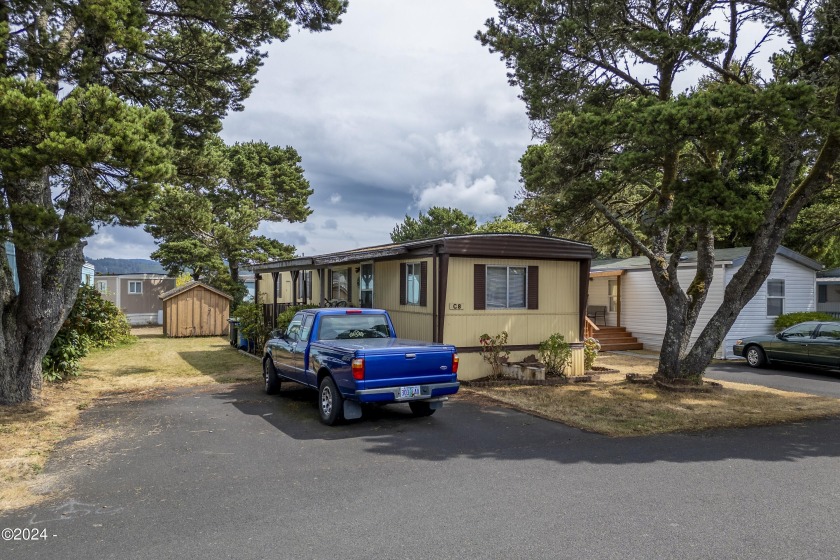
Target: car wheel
x,y
756,357
330,402
272,382
420,408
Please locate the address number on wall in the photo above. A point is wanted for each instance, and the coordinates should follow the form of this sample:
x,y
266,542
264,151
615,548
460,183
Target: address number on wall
x,y
455,306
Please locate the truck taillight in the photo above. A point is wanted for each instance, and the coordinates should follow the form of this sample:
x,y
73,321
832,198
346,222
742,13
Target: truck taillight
x,y
454,363
358,368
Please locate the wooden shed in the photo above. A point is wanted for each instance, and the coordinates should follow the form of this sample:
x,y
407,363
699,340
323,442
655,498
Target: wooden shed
x,y
195,309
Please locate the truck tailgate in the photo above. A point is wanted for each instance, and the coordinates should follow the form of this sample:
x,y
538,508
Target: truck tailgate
x,y
405,362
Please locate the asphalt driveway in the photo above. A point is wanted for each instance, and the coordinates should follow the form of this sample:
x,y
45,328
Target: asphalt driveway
x,y
235,474
802,380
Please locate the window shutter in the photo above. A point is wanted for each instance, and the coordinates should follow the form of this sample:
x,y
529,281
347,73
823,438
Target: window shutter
x,y
423,283
533,287
402,283
479,283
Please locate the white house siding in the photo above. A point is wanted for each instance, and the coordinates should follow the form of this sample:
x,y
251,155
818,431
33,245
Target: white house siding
x,y
643,310
599,295
800,295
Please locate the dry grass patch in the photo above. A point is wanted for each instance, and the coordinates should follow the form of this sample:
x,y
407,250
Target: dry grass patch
x,y
615,407
29,432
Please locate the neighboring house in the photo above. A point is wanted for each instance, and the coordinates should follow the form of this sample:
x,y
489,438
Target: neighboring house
x,y
452,289
88,269
828,291
625,287
247,278
88,272
137,295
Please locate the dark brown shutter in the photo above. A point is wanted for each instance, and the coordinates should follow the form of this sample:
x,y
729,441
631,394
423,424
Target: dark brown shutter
x,y
350,286
479,286
533,287
423,283
402,283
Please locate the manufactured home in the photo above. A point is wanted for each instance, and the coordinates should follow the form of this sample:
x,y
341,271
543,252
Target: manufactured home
x,y
634,312
137,295
451,289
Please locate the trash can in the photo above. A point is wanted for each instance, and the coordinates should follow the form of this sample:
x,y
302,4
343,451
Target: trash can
x,y
233,330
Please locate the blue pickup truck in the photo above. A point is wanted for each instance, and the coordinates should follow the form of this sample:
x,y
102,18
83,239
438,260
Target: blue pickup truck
x,y
353,357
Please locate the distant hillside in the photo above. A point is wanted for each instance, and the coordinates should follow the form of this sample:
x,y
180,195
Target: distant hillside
x,y
126,266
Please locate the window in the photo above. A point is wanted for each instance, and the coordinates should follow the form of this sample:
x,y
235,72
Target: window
x,y
804,330
135,287
822,293
829,331
304,287
775,298
412,284
506,287
366,286
340,285
612,292
102,286
293,330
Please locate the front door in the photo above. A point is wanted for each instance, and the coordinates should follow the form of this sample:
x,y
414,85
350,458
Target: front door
x,y
283,348
792,344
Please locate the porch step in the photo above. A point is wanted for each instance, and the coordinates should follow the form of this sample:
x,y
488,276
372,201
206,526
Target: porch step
x,y
617,338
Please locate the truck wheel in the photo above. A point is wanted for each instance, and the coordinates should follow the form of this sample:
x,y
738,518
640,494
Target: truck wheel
x,y
330,402
420,408
272,382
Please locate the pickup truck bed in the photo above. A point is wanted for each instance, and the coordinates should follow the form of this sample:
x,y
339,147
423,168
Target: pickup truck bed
x,y
361,362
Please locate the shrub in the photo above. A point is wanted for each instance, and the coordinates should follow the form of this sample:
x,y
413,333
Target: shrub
x,y
92,323
789,319
494,352
591,347
252,323
556,354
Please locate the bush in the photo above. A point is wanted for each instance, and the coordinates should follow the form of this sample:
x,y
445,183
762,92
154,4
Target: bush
x,y
493,351
556,354
591,347
93,323
252,323
789,319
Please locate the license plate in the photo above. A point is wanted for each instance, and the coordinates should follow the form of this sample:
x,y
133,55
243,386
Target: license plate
x,y
408,392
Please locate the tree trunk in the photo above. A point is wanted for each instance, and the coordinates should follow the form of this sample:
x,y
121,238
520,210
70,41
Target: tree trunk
x,y
49,280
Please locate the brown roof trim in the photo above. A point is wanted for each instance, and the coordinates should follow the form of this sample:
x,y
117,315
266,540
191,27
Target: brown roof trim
x,y
605,273
189,286
500,245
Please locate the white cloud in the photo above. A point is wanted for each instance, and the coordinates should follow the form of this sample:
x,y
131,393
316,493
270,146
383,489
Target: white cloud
x,y
476,196
335,198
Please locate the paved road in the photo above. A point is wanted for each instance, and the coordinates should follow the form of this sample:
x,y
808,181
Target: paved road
x,y
237,474
816,382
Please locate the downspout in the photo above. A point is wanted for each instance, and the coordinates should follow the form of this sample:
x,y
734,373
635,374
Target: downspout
x,y
434,293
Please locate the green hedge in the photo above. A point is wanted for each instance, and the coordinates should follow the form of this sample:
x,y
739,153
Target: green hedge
x,y
93,323
789,319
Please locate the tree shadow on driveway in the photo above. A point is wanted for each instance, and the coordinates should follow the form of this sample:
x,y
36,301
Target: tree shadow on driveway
x,y
466,429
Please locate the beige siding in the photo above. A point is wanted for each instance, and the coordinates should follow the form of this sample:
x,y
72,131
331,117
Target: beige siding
x,y
472,365
267,285
411,321
558,305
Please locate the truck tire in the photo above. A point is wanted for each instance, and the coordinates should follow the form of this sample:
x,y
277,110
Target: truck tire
x,y
272,382
330,402
420,408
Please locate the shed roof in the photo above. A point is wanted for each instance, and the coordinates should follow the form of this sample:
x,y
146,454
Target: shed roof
x,y
478,244
733,255
189,286
832,273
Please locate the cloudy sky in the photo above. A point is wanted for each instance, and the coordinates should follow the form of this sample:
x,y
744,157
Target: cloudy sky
x,y
396,110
